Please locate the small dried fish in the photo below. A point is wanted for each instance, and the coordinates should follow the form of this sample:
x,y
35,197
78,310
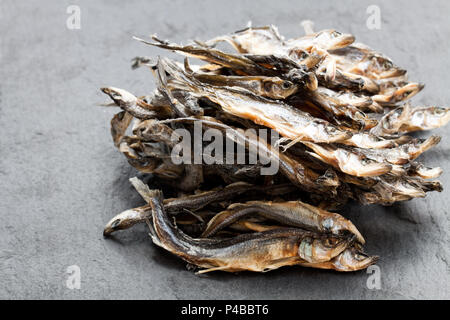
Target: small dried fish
x,y
404,153
292,213
358,58
288,121
192,203
418,169
346,98
349,162
406,119
270,87
298,173
130,103
261,251
324,98
244,65
392,96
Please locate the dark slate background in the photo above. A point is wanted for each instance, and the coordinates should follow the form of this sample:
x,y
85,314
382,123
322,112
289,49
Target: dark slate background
x,y
61,179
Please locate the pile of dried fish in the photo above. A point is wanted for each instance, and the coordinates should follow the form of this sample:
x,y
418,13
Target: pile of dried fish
x,y
342,114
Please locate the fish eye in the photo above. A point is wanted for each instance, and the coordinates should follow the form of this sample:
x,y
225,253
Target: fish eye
x,y
286,85
439,111
115,223
335,34
303,55
387,64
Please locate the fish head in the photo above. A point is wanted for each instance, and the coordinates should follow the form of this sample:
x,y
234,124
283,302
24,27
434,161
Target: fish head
x,y
331,133
353,259
153,130
123,221
384,67
407,91
341,226
324,248
120,96
277,88
147,128
439,116
302,78
310,59
332,39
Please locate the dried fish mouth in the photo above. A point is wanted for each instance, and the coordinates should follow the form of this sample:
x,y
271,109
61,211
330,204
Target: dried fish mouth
x,y
341,113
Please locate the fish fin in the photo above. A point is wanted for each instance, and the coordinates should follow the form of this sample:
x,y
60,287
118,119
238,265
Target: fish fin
x,y
212,269
112,104
331,69
312,83
155,37
187,67
427,144
293,142
161,72
138,62
280,141
152,232
201,43
275,264
196,216
144,190
163,88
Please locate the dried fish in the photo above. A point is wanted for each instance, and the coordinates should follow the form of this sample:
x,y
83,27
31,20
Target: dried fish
x,y
243,65
270,87
261,251
403,153
192,203
129,103
292,213
298,173
349,162
392,96
358,58
288,121
418,169
338,114
406,119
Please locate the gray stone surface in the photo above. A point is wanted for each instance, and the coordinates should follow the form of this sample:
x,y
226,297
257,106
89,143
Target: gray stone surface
x,y
61,179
